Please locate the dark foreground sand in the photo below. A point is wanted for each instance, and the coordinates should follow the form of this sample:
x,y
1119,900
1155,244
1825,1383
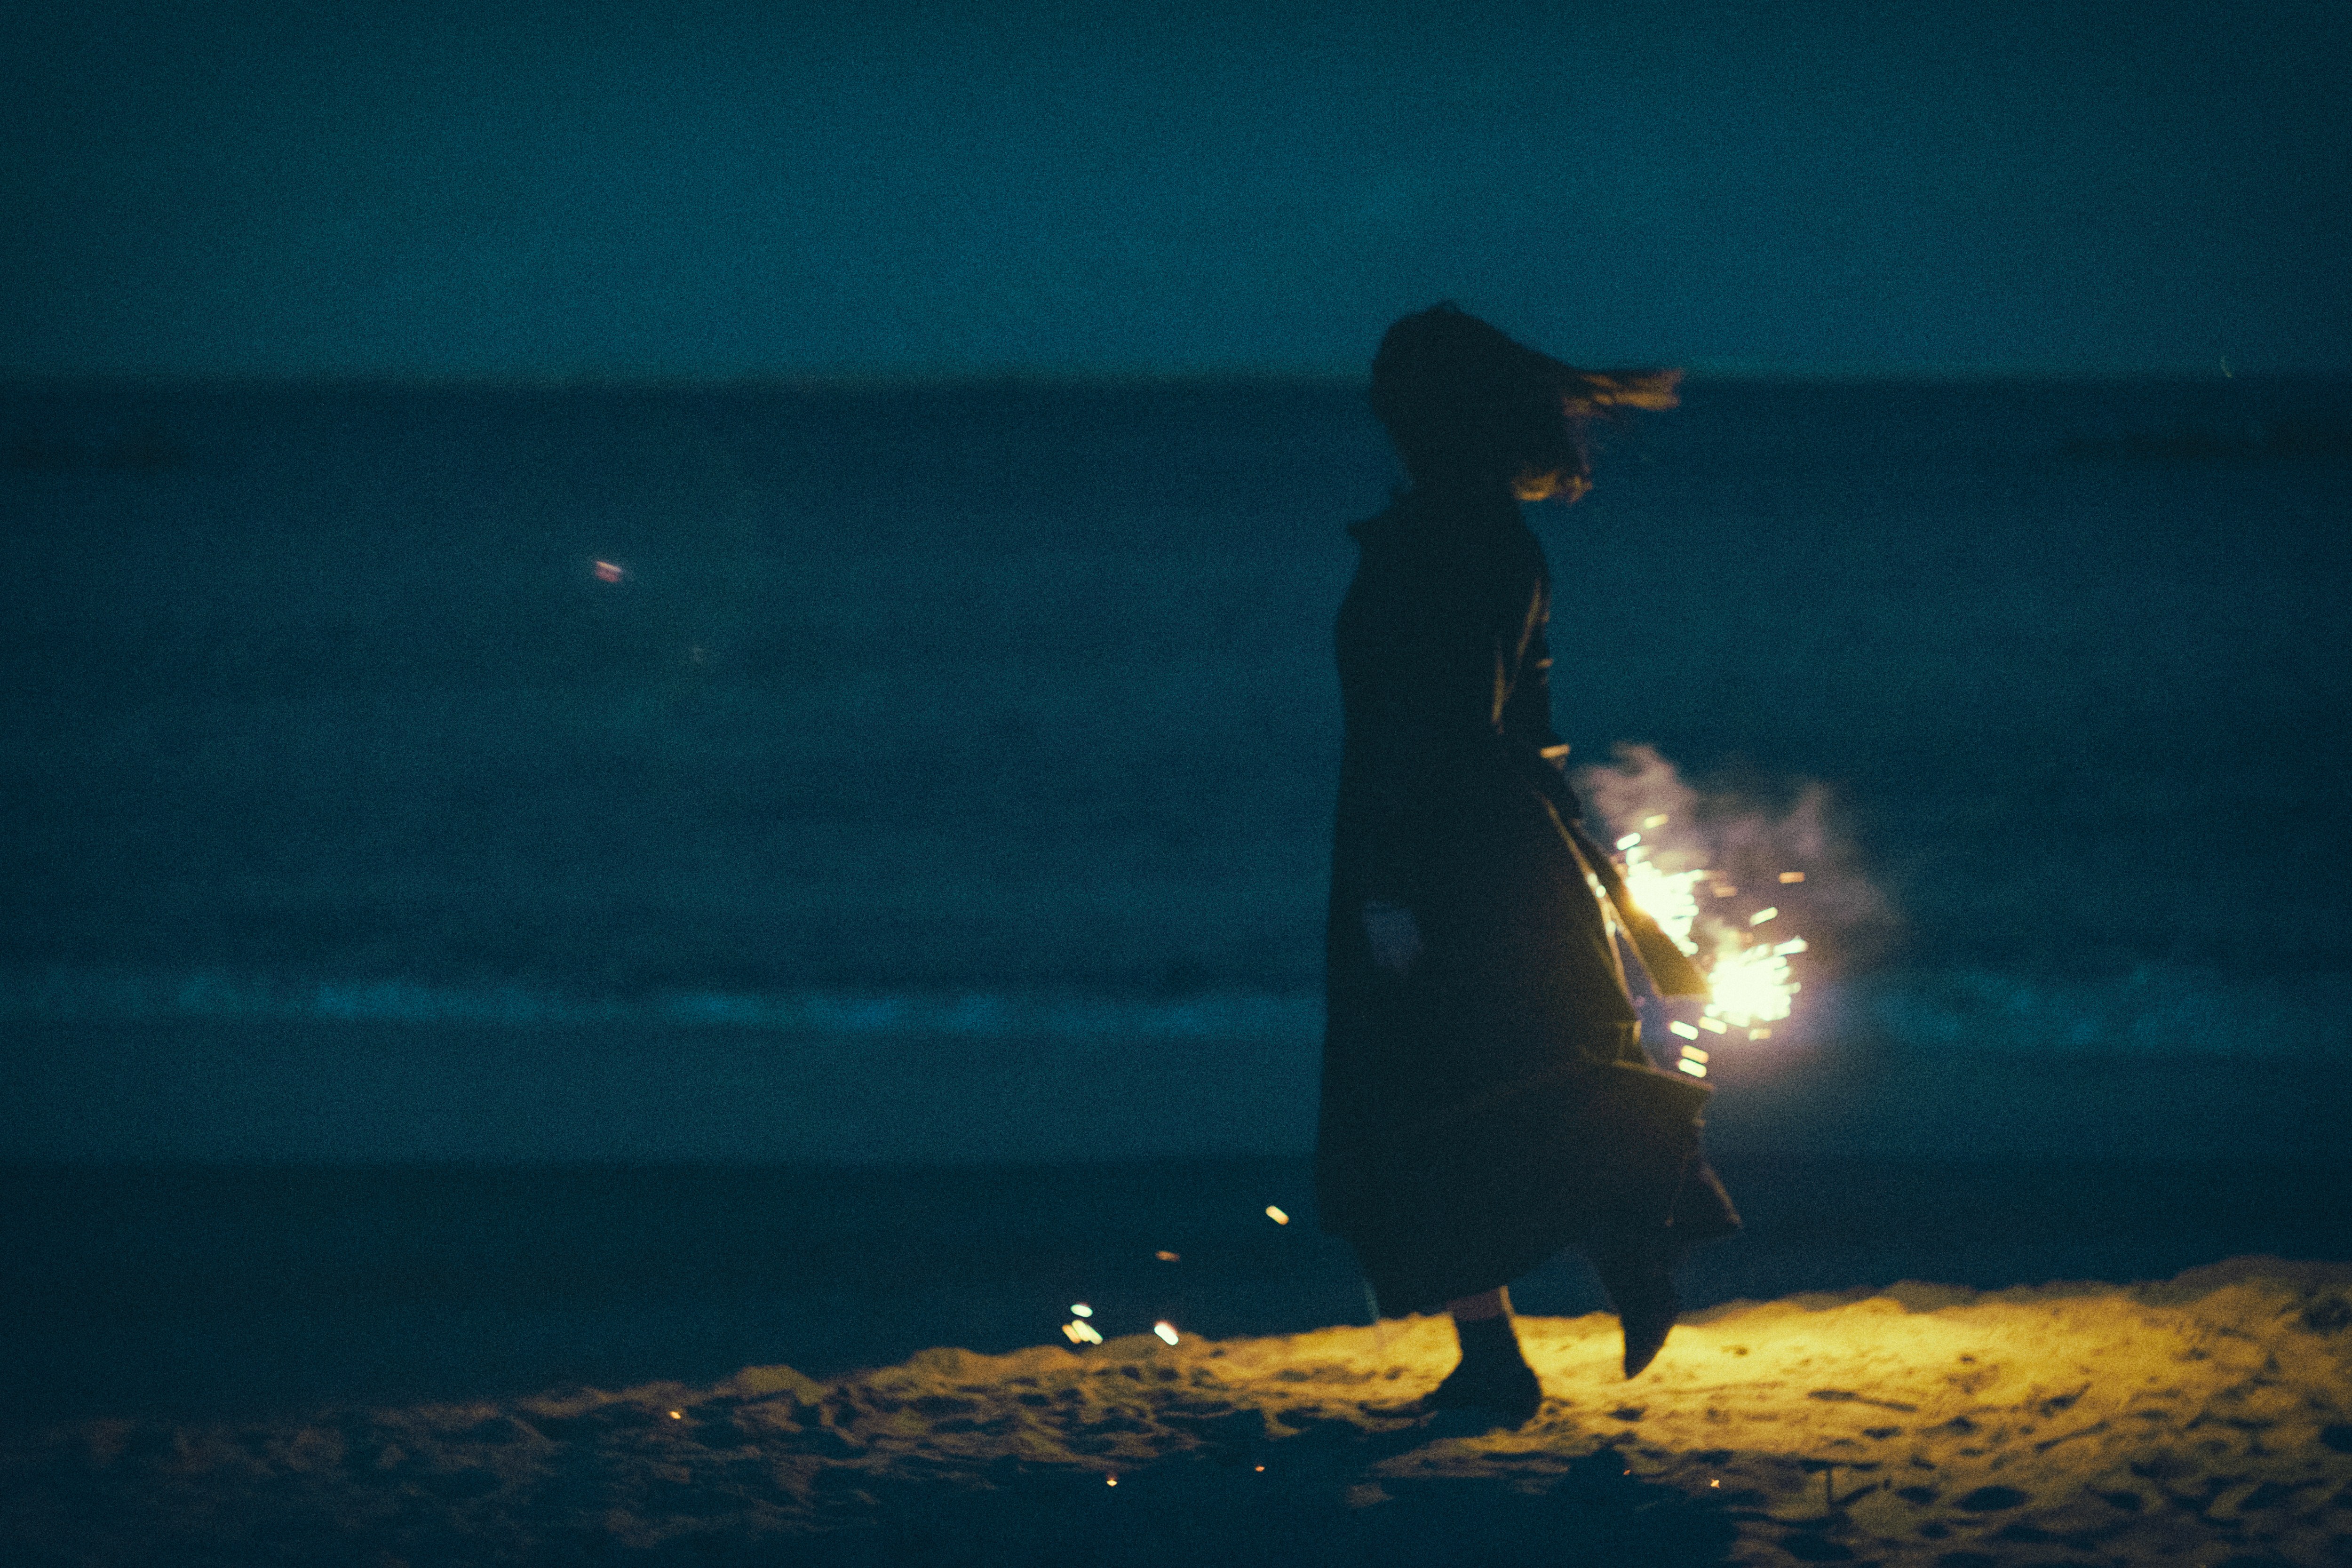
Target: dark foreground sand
x,y
2203,1421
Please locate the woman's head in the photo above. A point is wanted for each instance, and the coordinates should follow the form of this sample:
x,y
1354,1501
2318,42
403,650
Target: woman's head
x,y
1465,403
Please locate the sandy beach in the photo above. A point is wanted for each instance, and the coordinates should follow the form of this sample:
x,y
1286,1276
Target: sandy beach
x,y
2204,1420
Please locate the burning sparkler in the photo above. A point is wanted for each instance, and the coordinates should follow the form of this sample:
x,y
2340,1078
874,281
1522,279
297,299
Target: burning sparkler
x,y
1750,984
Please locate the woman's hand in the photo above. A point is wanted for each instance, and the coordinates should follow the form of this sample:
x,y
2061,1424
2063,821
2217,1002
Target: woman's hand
x,y
1394,935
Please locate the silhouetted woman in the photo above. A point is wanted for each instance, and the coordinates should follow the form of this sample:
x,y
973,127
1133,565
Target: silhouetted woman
x,y
1485,1099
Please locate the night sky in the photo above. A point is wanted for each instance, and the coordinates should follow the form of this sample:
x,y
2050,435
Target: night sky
x,y
701,188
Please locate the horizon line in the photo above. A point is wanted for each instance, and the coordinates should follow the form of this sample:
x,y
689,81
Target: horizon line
x,y
846,379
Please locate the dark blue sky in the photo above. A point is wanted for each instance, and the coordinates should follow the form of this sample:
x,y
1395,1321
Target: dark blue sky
x,y
696,187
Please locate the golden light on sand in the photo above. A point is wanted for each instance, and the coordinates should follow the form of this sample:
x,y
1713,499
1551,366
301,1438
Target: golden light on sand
x,y
2198,1421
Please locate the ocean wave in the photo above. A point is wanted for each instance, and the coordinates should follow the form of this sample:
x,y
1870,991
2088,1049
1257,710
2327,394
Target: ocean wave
x,y
2167,1010
76,995
2154,1011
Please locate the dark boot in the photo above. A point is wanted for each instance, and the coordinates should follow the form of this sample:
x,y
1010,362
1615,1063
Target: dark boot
x,y
1639,1275
1493,1376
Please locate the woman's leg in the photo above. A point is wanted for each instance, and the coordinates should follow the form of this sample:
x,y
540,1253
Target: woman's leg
x,y
1495,1303
1492,1375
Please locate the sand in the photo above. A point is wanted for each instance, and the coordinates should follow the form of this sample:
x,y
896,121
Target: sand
x,y
2206,1420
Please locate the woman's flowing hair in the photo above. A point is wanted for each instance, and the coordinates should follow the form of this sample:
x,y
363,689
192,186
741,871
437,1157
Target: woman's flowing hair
x,y
1461,399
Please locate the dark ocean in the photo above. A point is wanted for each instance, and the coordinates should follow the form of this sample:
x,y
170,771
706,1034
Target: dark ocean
x,y
437,966
946,775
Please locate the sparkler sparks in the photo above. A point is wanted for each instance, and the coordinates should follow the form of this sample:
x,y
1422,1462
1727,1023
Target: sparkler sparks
x,y
1666,896
1165,1329
1078,1332
1749,986
1276,1215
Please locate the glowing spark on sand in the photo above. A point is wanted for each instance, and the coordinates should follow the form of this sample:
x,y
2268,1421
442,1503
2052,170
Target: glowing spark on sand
x,y
1691,1067
1767,913
1165,1329
1276,1215
1657,821
1685,1030
1717,1025
1078,1332
1693,1054
1792,876
1629,841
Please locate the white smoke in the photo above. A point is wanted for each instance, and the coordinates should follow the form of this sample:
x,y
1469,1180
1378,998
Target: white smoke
x,y
1765,896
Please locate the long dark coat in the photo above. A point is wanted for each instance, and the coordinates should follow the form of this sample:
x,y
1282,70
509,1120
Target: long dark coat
x,y
1493,1105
